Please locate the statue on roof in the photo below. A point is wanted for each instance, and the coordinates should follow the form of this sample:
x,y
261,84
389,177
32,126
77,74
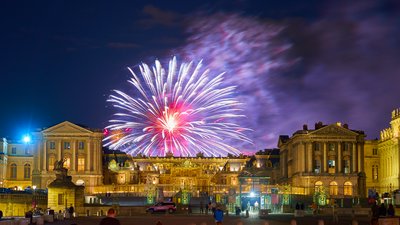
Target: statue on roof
x,y
60,170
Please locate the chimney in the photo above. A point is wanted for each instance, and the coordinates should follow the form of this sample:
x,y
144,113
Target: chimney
x,y
346,126
305,127
318,125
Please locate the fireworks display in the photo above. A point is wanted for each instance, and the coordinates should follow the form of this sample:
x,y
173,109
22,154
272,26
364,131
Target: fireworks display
x,y
184,110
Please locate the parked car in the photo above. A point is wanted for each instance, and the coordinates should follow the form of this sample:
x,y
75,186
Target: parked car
x,y
170,207
5,190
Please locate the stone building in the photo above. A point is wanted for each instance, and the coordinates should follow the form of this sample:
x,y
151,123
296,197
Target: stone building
x,y
371,166
30,164
388,150
326,162
16,164
80,147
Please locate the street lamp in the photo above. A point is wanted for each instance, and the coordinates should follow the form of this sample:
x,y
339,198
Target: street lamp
x,y
33,197
26,139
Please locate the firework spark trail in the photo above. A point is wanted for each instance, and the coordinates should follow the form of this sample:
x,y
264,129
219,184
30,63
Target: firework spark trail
x,y
247,49
184,111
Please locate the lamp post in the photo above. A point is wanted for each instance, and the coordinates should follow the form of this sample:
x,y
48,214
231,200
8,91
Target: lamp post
x,y
34,197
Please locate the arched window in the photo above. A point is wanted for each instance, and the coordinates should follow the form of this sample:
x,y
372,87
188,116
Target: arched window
x,y
348,188
27,171
333,188
318,186
13,171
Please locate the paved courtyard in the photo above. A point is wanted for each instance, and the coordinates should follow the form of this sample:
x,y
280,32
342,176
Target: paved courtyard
x,y
179,219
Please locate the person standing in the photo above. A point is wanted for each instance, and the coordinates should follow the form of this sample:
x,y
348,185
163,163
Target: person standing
x,y
110,218
218,215
71,211
201,207
390,211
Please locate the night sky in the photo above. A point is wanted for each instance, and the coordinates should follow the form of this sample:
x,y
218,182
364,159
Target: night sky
x,y
293,62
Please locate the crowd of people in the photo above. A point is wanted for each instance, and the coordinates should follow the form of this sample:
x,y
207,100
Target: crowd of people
x,y
381,211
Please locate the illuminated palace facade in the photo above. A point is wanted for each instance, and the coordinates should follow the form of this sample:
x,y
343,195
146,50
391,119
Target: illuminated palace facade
x,y
326,162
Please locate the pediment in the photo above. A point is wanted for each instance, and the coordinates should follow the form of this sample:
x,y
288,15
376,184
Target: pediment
x,y
334,130
66,128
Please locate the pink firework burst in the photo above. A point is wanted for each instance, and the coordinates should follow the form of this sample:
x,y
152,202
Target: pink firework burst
x,y
183,110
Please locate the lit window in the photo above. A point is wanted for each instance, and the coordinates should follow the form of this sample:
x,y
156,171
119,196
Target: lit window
x,y
51,163
318,186
13,171
348,188
52,145
67,145
346,165
67,163
331,165
333,188
27,171
14,150
81,164
81,145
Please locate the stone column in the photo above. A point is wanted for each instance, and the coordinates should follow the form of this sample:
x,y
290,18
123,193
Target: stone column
x,y
44,155
310,157
36,156
324,159
88,155
354,159
73,158
59,149
94,151
360,151
303,157
100,158
339,157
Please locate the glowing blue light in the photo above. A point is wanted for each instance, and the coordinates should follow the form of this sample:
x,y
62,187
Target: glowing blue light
x,y
27,139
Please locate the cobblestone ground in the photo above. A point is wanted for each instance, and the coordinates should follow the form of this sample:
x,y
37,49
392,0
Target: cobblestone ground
x,y
178,219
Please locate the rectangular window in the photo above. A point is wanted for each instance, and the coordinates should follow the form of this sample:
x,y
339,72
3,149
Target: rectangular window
x,y
81,145
346,146
52,145
67,163
375,172
317,168
317,146
51,163
60,199
14,150
374,151
81,164
67,145
346,166
331,166
332,147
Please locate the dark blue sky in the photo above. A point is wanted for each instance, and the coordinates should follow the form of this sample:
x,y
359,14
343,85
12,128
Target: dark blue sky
x,y
61,59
